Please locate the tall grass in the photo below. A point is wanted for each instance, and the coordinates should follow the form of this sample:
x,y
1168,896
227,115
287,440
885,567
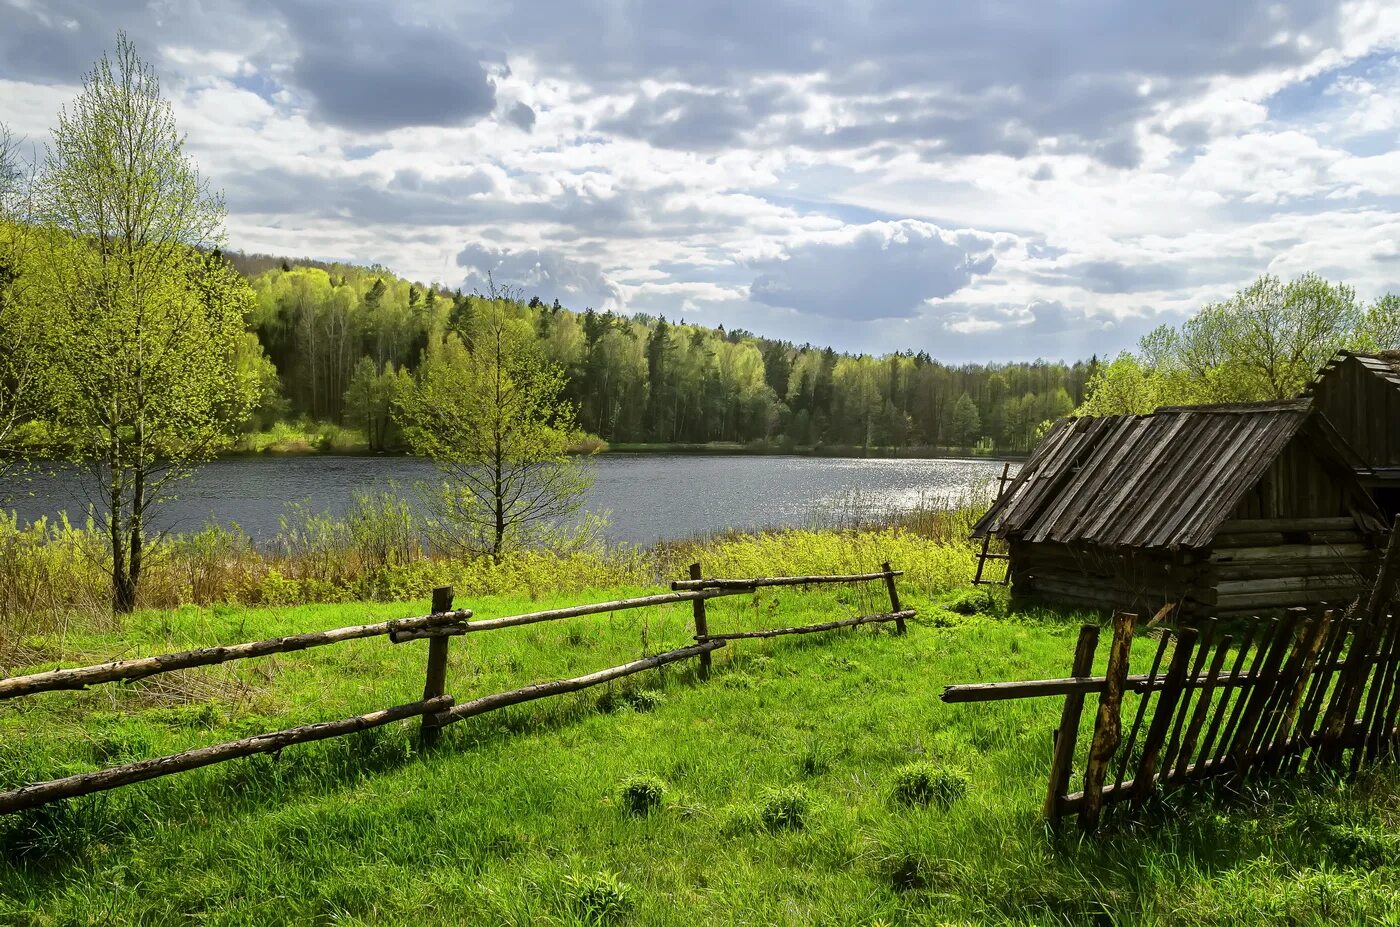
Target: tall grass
x,y
810,781
53,575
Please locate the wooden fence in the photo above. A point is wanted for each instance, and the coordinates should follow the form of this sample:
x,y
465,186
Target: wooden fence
x,y
436,708
1313,689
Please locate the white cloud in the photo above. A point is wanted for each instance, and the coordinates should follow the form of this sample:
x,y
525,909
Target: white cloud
x,y
986,181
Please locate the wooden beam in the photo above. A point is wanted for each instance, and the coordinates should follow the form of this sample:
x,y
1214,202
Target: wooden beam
x,y
811,628
435,682
481,706
781,581
597,608
41,793
128,670
1067,733
1107,725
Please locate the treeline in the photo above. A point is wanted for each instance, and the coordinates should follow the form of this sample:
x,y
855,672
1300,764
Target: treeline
x,y
1267,342
344,338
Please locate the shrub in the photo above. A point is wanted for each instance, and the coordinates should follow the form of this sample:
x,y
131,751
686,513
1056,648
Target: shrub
x,y
1362,845
920,785
641,796
784,809
979,600
600,898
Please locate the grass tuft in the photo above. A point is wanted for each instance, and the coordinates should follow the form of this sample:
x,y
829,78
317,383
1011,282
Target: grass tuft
x,y
920,785
642,795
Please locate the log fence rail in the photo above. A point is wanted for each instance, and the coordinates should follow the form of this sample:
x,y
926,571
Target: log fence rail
x,y
436,709
1314,689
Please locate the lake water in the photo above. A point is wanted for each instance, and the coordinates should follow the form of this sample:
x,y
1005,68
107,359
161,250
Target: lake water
x,y
649,497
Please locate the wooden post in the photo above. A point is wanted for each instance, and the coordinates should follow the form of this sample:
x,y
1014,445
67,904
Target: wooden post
x,y
894,597
436,682
702,626
1165,714
1068,731
1108,730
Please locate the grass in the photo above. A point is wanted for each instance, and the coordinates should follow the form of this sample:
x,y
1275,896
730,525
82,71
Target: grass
x,y
790,789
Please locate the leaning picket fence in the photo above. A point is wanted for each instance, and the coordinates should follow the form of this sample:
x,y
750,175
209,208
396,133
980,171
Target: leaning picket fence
x,y
436,709
1315,690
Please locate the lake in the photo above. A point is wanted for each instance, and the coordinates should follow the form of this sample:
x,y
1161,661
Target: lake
x,y
649,497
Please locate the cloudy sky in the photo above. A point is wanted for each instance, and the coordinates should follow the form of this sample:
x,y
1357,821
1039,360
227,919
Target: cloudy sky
x,y
984,181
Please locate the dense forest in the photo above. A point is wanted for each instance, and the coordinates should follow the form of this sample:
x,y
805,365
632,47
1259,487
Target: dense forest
x,y
342,339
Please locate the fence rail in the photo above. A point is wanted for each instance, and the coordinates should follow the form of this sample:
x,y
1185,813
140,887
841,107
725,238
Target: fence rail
x,y
436,709
1320,690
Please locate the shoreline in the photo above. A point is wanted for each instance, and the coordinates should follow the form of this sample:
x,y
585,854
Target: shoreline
x,y
835,451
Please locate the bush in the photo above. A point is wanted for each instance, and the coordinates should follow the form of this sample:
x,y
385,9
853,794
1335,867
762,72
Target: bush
x,y
978,600
784,809
1362,846
641,796
600,898
921,785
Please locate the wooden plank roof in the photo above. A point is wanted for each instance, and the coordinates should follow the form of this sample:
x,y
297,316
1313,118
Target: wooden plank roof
x,y
1164,480
1384,364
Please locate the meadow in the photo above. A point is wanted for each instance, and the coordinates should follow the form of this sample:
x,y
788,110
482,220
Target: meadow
x,y
812,780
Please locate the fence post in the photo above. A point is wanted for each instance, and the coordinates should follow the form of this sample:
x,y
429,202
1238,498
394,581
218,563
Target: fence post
x,y
894,597
702,625
1108,730
436,681
1068,731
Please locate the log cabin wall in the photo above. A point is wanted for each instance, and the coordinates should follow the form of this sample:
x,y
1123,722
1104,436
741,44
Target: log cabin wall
x,y
1292,540
1299,530
1089,576
1360,395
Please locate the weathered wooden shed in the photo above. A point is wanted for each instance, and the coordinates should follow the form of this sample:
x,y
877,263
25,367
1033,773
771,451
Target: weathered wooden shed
x,y
1360,395
1219,510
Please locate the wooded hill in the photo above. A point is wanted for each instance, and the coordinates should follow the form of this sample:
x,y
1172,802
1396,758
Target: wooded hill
x,y
342,337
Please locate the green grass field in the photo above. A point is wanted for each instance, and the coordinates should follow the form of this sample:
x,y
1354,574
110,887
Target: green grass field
x,y
772,790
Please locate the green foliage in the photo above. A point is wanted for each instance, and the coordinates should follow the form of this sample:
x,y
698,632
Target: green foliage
x,y
142,360
370,400
1380,328
921,784
599,897
641,795
1266,342
967,422
492,823
1124,387
642,379
786,808
978,600
493,419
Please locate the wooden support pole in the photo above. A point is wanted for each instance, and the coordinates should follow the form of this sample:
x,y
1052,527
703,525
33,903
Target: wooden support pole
x,y
488,703
1350,683
894,597
436,682
128,670
1201,712
812,628
41,793
1068,731
1164,715
1108,730
702,624
746,584
598,608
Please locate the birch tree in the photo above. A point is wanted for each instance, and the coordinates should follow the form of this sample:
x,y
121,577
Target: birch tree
x,y
22,332
495,421
146,321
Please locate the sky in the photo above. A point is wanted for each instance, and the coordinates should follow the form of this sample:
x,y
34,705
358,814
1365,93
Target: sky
x,y
988,181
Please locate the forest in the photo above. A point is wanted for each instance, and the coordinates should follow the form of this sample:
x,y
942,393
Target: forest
x,y
340,341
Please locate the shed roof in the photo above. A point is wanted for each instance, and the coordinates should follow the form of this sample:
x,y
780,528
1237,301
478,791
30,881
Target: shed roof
x,y
1164,480
1384,364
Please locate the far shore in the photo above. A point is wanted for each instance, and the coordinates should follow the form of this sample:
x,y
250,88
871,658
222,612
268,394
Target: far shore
x,y
714,447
